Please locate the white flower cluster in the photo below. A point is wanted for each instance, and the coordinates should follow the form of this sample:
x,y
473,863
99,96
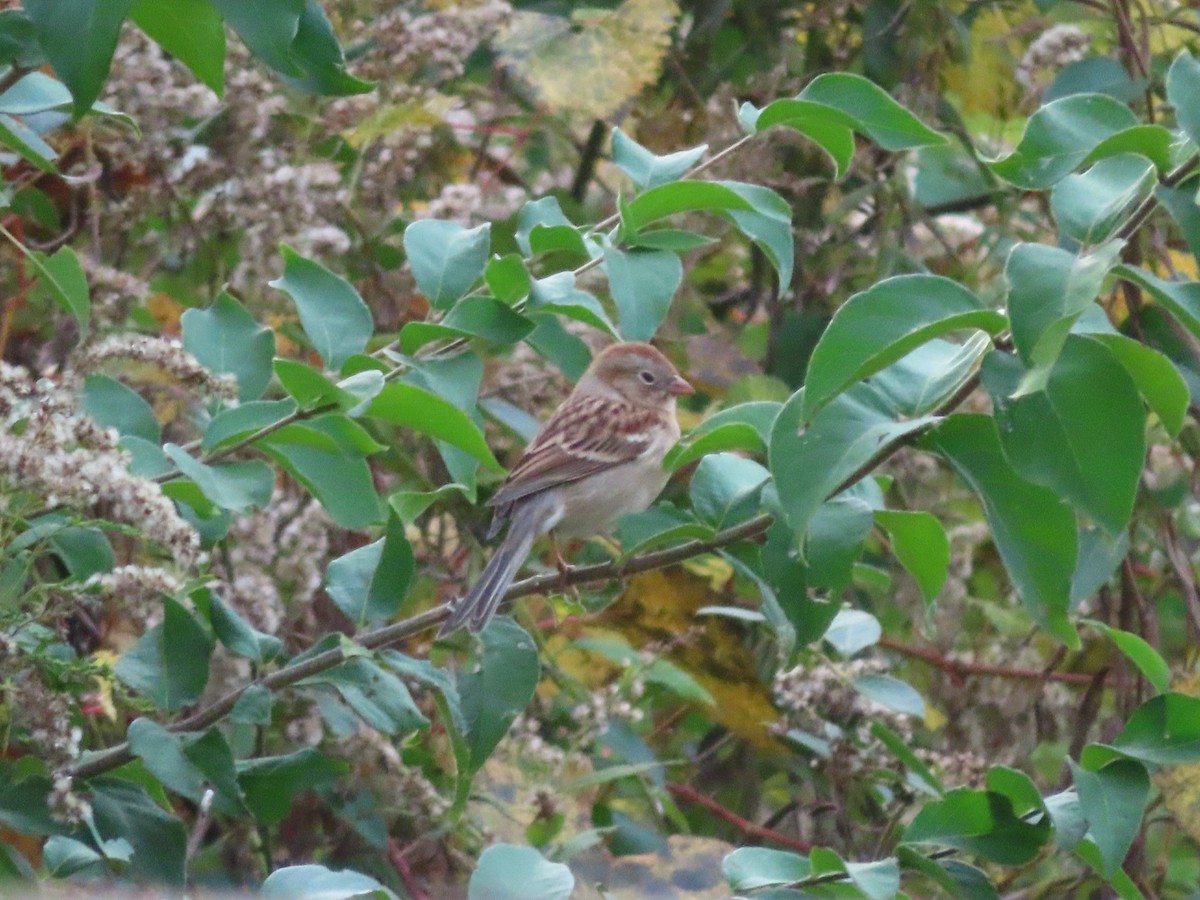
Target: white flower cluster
x,y
63,458
113,291
469,204
277,557
1054,48
139,589
165,354
822,702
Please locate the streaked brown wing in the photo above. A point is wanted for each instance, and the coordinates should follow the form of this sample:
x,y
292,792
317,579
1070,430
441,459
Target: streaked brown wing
x,y
585,435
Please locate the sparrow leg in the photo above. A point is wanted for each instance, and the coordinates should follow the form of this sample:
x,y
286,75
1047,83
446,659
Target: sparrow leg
x,y
564,570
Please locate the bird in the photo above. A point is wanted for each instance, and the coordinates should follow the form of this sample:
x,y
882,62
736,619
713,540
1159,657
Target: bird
x,y
598,457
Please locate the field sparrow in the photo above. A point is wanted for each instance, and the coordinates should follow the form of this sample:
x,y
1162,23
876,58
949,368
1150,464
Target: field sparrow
x,y
598,457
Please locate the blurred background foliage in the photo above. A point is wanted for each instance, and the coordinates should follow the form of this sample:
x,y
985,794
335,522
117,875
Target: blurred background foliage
x,y
658,740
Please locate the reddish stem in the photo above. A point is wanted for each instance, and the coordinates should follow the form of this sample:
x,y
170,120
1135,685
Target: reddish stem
x,y
396,857
958,670
689,794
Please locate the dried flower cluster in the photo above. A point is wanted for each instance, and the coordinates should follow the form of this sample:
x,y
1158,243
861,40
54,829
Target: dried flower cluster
x,y
51,452
164,354
277,559
1054,48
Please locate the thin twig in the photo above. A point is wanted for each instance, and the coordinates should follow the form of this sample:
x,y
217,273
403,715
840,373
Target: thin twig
x,y
689,794
960,669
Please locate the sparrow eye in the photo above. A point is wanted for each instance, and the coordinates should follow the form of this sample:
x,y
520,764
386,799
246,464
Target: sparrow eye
x,y
646,377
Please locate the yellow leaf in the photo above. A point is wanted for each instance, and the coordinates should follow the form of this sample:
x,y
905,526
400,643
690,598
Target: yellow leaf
x,y
593,63
661,606
394,117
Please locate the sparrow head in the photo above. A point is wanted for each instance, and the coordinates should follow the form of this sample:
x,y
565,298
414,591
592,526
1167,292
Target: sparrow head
x,y
637,373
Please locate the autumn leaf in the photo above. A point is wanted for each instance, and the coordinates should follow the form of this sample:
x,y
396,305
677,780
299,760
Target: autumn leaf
x,y
593,62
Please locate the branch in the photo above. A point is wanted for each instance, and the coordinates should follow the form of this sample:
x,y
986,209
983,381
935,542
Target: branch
x,y
689,794
959,669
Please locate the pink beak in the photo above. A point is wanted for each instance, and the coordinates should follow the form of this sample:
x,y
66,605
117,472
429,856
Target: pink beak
x,y
680,387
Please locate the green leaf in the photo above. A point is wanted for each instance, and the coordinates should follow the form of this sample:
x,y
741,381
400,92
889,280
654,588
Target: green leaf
x,y
853,630
313,882
471,317
567,351
746,427
1059,136
1151,141
1082,436
310,389
509,872
188,765
236,486
875,113
115,405
334,316
542,227
646,169
253,706
315,51
499,687
557,293
1180,202
241,421
25,141
267,28
32,93
1181,298
978,822
666,674
809,464
832,130
378,697
643,282
749,868
369,584
725,487
79,38
411,407
673,239
189,30
1183,87
835,536
1033,528
124,811
446,258
334,470
919,543
1140,653
891,693
169,663
1161,385
84,551
1092,205
237,634
63,857
1112,801
507,278
881,325
270,783
1017,787
678,197
64,280
1049,289
226,339
1165,730
768,224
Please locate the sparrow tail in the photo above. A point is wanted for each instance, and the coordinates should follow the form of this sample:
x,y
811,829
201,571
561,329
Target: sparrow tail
x,y
479,605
